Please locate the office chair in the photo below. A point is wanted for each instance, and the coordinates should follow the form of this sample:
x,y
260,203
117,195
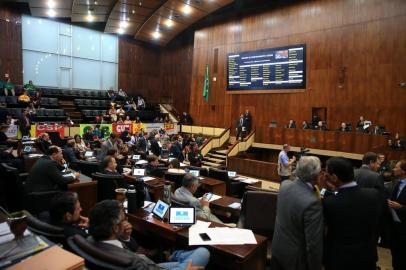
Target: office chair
x,y
233,188
88,167
177,178
107,184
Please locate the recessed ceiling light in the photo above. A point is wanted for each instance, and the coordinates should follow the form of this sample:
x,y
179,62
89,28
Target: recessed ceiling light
x,y
186,9
95,2
133,11
128,19
120,31
51,4
123,24
51,13
140,3
156,35
169,23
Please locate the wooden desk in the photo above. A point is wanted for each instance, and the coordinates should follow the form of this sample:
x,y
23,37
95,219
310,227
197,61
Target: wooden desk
x,y
155,187
213,185
87,192
221,206
225,257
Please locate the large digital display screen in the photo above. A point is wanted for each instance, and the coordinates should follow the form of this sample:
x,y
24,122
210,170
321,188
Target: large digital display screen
x,y
267,69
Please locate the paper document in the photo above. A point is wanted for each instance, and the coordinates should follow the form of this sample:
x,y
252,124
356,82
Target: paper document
x,y
394,215
140,162
200,225
221,236
249,181
235,205
213,198
69,175
147,178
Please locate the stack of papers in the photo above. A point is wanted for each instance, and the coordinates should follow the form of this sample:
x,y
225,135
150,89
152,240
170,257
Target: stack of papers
x,y
147,178
213,198
221,236
140,162
35,155
235,205
246,180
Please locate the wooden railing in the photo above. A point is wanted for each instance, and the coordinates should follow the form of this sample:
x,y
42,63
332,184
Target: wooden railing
x,y
215,142
241,146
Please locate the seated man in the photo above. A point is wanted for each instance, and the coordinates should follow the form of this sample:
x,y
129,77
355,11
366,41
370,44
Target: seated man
x,y
46,175
30,88
44,142
185,193
153,166
174,166
109,166
343,127
195,158
108,224
69,151
65,212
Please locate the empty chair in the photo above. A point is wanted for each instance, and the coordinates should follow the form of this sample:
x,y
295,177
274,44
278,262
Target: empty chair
x,y
11,100
53,101
78,102
233,188
56,138
56,92
94,93
93,112
101,112
97,258
12,185
87,102
46,91
53,233
107,184
86,93
48,112
94,102
70,92
86,112
40,112
254,205
38,202
88,167
44,101
102,93
175,177
2,99
59,112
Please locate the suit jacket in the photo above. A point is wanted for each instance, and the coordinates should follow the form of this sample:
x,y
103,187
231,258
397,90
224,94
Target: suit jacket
x,y
105,147
401,199
45,175
176,152
352,218
195,159
69,154
247,121
155,148
142,144
139,261
365,177
298,237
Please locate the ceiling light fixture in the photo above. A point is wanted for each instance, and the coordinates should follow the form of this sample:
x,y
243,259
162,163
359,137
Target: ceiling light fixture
x,y
123,24
186,9
120,31
51,4
133,11
96,3
51,13
89,17
156,35
169,23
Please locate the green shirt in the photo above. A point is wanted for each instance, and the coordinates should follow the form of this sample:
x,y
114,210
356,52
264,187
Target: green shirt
x,y
8,86
30,87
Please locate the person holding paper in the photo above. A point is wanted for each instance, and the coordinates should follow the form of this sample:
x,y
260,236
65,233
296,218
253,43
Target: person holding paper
x,y
185,193
352,219
397,204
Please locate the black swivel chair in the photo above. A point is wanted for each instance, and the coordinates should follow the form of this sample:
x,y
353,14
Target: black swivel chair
x,y
233,188
12,188
88,167
177,178
107,184
53,233
97,258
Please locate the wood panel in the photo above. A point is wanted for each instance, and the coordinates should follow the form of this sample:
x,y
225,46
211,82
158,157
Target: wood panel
x,y
367,38
10,45
254,168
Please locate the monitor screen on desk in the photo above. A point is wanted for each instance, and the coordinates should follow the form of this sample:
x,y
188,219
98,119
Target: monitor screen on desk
x,y
232,174
89,154
182,215
195,173
138,172
136,157
160,209
27,149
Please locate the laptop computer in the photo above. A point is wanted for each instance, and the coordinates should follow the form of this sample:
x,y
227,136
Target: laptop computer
x,y
160,209
89,154
185,215
138,172
232,174
195,173
136,157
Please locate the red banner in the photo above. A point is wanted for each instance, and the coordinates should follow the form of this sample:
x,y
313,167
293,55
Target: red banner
x,y
120,128
39,129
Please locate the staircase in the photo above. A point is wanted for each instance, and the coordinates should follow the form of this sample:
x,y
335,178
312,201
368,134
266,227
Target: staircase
x,y
217,157
71,110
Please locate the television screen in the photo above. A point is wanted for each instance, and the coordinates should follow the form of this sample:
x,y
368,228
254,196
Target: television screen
x,y
275,68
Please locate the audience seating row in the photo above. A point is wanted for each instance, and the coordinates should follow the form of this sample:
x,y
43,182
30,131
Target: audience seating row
x,y
92,103
75,93
90,113
49,102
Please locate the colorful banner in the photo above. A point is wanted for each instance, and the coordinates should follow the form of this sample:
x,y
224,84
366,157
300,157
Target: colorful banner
x,y
170,128
39,129
105,129
120,128
137,127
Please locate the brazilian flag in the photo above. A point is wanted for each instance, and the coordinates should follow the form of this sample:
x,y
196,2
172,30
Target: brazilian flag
x,y
206,84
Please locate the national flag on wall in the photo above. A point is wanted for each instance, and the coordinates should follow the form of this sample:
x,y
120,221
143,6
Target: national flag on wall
x,y
206,84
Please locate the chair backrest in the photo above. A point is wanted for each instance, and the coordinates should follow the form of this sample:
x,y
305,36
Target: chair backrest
x,y
88,168
13,187
258,212
177,202
38,202
175,177
53,233
55,138
96,257
107,184
218,174
203,171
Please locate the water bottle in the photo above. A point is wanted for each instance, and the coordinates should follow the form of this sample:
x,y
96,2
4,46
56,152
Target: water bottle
x,y
132,199
139,187
167,192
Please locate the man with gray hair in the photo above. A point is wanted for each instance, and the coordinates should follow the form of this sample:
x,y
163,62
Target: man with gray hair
x,y
298,236
185,193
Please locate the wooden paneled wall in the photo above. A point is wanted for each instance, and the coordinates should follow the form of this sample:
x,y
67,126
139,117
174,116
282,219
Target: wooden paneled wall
x,y
11,60
367,38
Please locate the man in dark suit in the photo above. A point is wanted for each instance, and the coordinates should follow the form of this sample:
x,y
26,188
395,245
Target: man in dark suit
x,y
155,147
240,127
108,223
25,124
247,121
46,175
176,150
142,143
297,242
44,142
69,152
194,157
367,176
352,219
397,205
152,167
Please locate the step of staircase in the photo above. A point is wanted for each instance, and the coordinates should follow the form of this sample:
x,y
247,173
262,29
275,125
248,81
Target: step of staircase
x,y
215,155
215,160
221,152
210,164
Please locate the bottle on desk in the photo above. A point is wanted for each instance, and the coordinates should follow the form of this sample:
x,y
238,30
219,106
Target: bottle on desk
x,y
167,192
140,189
132,199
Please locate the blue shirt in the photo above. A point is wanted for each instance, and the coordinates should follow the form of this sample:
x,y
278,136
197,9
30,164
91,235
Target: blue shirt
x,y
284,158
402,184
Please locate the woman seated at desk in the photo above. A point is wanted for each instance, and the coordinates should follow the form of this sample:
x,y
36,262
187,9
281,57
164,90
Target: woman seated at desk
x,y
80,145
174,167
